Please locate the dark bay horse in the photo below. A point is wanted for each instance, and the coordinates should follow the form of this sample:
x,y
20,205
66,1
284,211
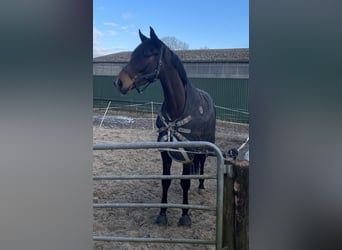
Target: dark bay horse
x,y
187,113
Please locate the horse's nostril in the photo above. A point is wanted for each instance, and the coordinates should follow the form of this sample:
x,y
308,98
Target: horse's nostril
x,y
118,83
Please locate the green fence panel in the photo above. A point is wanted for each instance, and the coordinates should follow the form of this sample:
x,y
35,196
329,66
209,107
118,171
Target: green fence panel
x,y
230,95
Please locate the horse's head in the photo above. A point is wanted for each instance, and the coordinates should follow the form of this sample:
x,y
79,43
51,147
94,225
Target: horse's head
x,y
144,65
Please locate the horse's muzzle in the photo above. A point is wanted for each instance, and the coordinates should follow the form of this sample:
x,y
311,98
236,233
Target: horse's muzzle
x,y
118,83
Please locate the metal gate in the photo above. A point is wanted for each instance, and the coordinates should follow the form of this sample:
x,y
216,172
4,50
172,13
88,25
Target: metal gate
x,y
219,196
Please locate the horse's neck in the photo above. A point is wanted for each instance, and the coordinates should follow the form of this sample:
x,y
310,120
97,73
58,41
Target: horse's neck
x,y
174,93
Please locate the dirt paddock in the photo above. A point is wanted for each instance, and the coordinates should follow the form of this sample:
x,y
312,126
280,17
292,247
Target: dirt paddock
x,y
139,222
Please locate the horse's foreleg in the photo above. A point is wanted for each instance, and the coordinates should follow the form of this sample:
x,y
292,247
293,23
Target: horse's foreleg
x,y
199,163
202,161
185,184
167,161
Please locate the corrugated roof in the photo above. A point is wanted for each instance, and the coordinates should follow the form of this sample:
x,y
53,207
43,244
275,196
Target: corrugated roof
x,y
200,55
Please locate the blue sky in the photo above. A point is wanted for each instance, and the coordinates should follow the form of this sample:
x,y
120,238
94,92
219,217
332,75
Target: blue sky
x,y
201,24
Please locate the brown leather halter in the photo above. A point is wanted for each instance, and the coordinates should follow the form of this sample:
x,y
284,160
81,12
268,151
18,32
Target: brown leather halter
x,y
147,77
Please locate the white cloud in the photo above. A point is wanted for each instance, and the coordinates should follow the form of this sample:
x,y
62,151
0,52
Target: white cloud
x,y
111,24
97,51
96,33
112,32
100,51
96,43
126,15
127,27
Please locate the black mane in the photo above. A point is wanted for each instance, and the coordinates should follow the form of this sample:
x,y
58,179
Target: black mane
x,y
179,67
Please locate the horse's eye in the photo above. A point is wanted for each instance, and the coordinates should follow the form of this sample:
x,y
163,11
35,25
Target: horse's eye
x,y
150,52
147,53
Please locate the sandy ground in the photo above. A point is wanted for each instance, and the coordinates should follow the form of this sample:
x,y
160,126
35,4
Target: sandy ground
x,y
139,222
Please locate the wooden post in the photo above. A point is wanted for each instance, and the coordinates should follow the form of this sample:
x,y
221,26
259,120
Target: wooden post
x,y
228,231
235,206
241,205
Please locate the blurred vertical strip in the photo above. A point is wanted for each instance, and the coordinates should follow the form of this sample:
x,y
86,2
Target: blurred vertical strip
x,y
45,130
295,123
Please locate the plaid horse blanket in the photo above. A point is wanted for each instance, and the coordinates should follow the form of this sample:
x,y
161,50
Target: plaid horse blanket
x,y
197,123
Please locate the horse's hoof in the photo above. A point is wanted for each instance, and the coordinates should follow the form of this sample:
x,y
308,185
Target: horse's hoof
x,y
200,191
201,188
161,220
184,221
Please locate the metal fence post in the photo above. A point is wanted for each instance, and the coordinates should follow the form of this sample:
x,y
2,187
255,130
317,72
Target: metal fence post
x,y
152,116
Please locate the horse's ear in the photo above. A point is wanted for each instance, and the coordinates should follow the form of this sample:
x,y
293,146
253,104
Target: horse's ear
x,y
153,35
142,37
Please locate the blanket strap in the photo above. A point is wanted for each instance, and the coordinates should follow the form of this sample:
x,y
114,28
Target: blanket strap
x,y
175,128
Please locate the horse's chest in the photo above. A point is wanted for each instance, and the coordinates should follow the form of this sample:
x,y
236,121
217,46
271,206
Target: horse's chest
x,y
189,127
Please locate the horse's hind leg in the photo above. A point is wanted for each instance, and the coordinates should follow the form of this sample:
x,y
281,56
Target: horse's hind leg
x,y
185,183
167,161
199,164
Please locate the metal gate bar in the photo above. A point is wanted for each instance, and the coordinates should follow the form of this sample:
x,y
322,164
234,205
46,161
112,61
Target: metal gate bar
x,y
154,240
155,205
219,195
152,177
